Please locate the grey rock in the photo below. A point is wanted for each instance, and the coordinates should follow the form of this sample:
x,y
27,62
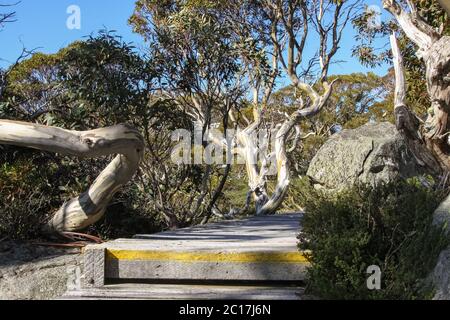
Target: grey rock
x,y
370,154
376,153
440,276
30,272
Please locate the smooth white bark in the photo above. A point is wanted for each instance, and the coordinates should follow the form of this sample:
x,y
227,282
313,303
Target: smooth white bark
x,y
248,144
89,207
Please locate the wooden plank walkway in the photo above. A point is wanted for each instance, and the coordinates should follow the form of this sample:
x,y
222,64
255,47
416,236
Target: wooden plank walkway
x,y
250,258
186,292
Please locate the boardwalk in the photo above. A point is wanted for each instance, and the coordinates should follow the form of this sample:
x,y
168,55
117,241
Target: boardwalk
x,y
255,258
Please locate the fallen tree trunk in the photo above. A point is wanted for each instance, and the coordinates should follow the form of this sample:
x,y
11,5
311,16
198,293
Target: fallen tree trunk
x,y
90,206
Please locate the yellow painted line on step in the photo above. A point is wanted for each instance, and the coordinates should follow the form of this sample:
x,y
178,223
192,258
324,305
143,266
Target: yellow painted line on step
x,y
195,256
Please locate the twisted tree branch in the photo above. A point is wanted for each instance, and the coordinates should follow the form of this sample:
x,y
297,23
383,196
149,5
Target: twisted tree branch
x,y
90,206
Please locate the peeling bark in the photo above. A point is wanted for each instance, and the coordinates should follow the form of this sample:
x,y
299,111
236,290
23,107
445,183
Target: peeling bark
x,y
434,50
90,206
406,121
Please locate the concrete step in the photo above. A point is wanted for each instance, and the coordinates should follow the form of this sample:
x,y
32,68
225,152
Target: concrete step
x,y
185,292
254,249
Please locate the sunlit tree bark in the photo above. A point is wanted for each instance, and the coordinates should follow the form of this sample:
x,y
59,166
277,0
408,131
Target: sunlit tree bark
x,y
90,206
434,49
289,24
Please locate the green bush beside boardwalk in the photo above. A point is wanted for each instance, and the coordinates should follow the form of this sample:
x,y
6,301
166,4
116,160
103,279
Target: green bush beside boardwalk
x,y
389,226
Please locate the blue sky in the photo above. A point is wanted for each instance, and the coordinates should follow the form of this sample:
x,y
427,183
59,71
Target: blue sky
x,y
42,24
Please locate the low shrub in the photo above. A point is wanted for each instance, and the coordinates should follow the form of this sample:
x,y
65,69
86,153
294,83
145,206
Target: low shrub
x,y
388,226
25,187
33,185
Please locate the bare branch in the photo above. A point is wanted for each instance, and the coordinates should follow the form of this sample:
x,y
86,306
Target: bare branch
x,y
340,17
400,85
9,16
405,121
414,27
297,138
318,102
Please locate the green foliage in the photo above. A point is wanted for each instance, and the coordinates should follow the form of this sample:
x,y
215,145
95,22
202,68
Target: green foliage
x,y
33,186
433,13
106,82
129,214
190,40
352,102
301,157
369,40
24,209
355,97
97,82
31,87
198,61
389,226
235,191
369,36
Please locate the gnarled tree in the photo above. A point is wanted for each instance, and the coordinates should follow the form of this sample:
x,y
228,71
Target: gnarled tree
x,y
263,39
434,49
98,80
284,27
407,123
200,79
89,207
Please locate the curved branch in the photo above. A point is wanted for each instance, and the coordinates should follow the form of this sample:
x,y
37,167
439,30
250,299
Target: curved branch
x,y
297,137
282,161
89,207
318,102
412,24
